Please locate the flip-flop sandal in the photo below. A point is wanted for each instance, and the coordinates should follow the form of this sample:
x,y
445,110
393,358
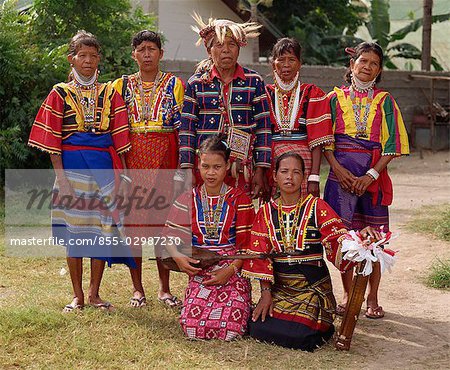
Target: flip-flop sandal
x,y
138,302
340,309
378,313
172,302
68,308
104,306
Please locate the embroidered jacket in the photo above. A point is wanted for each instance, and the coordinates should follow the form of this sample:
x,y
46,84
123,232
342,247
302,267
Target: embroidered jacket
x,y
319,228
202,116
61,115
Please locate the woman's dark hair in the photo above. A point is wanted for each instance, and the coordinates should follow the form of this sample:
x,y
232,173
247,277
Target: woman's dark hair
x,y
146,35
215,144
365,47
289,155
284,45
82,38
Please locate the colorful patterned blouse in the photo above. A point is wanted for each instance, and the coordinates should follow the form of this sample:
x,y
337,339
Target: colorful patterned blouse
x,y
234,226
319,228
384,121
61,115
313,118
166,102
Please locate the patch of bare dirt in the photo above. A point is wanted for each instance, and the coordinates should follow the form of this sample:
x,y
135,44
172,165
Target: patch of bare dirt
x,y
415,332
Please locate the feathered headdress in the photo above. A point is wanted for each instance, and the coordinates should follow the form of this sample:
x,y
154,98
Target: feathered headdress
x,y
222,28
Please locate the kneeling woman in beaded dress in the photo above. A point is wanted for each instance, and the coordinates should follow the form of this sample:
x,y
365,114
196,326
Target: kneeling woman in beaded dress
x,y
296,309
217,299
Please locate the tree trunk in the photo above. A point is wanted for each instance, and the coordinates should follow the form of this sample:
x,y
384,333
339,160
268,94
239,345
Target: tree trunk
x,y
426,35
255,41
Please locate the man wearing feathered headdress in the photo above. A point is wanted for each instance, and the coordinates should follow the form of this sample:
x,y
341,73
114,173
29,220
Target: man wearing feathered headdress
x,y
222,96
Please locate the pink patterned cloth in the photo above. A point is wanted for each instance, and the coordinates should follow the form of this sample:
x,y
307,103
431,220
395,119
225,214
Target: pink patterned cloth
x,y
216,311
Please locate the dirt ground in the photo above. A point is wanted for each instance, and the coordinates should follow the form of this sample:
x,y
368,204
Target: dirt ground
x,y
415,332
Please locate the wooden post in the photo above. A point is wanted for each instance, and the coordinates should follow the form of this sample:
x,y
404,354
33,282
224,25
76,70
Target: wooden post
x,y
426,34
255,41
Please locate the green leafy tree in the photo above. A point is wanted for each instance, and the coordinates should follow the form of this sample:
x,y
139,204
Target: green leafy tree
x,y
33,57
112,21
323,27
379,28
15,86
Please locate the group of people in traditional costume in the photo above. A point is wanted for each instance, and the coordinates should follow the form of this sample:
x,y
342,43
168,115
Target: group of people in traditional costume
x,y
243,141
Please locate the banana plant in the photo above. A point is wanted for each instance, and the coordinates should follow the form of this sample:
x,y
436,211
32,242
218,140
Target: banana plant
x,y
379,29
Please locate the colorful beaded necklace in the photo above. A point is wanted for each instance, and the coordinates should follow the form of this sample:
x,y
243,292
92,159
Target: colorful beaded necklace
x,y
212,216
286,120
88,103
361,87
289,233
146,101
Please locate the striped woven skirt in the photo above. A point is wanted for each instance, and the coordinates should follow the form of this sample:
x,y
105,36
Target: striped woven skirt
x,y
92,226
151,157
303,308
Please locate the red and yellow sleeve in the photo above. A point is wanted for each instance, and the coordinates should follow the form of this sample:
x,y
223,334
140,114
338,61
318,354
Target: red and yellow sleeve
x,y
333,233
46,132
318,119
179,220
245,215
260,269
119,123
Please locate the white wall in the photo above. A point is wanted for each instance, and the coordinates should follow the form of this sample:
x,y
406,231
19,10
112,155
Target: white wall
x,y
174,21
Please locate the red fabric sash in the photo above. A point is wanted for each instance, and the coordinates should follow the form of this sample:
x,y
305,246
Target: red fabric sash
x,y
383,183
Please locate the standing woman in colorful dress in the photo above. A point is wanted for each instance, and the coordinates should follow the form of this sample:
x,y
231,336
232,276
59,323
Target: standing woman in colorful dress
x,y
218,218
300,114
369,132
82,124
154,101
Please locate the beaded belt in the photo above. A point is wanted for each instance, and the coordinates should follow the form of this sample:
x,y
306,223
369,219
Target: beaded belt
x,y
145,129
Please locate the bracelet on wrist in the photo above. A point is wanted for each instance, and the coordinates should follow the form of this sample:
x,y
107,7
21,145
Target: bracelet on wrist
x,y
266,288
373,173
180,175
313,178
125,178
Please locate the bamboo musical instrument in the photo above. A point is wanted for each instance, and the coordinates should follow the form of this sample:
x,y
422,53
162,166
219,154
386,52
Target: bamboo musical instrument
x,y
344,334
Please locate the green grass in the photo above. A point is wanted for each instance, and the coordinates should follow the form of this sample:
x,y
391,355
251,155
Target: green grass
x,y
439,275
434,220
34,334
